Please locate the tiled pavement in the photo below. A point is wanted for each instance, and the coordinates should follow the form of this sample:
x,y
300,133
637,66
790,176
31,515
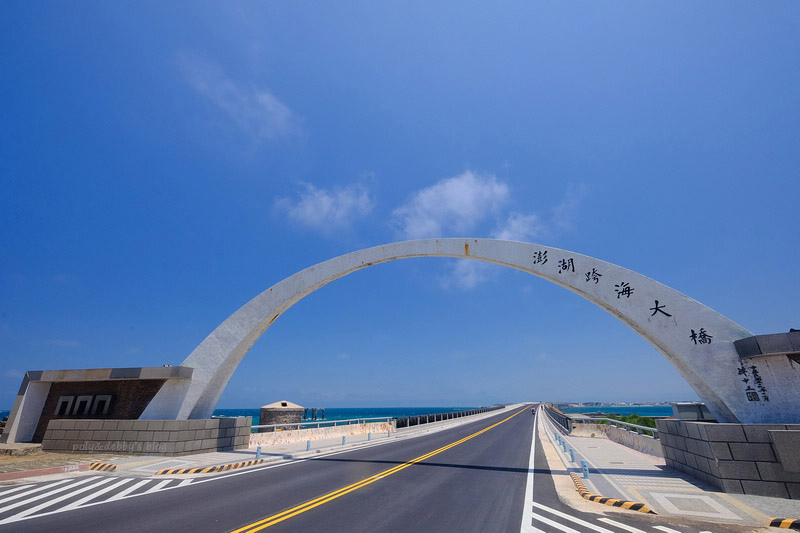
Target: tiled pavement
x,y
616,471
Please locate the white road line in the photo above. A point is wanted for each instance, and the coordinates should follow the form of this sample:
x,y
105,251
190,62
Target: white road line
x,y
127,491
565,516
620,525
665,529
33,489
97,494
184,482
527,513
554,524
15,489
49,503
157,486
45,494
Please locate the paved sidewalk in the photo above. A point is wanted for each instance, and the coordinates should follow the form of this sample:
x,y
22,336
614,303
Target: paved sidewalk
x,y
616,471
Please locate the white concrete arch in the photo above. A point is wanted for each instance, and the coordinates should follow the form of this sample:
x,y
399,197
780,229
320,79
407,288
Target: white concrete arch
x,y
696,340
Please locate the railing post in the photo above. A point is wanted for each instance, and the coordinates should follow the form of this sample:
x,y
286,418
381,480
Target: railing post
x,y
258,452
369,437
343,439
585,469
572,455
308,445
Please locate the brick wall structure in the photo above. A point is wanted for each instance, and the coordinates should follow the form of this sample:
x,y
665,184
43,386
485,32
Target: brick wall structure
x,y
147,437
758,459
128,399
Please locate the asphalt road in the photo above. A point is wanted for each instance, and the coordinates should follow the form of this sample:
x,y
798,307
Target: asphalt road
x,y
475,481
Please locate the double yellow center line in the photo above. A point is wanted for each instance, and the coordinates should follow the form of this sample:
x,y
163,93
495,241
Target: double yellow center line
x,y
307,506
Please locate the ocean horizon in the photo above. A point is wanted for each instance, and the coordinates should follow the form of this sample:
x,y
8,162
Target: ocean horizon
x,y
348,413
641,410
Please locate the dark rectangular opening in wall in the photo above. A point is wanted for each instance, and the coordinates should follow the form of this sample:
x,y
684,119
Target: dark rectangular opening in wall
x,y
101,405
64,405
82,405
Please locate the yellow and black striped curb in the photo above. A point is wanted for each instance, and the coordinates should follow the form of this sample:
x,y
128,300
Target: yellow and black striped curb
x,y
209,469
786,523
625,504
103,467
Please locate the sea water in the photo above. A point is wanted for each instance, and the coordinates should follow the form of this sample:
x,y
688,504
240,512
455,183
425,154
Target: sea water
x,y
641,410
348,413
338,413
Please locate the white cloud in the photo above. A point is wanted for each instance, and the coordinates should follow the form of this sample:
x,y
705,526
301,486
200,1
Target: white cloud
x,y
466,274
254,110
521,227
464,203
327,210
453,205
565,213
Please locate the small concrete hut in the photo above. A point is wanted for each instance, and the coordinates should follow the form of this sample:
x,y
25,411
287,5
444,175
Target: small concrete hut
x,y
282,412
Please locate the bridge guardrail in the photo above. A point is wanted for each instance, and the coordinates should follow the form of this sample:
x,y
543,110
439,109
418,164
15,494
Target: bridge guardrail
x,y
318,424
408,421
619,424
564,422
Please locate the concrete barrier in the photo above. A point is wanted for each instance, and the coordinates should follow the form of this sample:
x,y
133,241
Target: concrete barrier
x,y
631,439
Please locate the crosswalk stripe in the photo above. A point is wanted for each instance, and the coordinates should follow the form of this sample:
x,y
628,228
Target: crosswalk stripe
x,y
15,489
127,491
620,525
157,486
552,523
97,494
666,529
33,489
565,516
530,529
30,511
45,494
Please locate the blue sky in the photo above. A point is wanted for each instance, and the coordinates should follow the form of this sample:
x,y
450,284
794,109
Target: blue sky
x,y
161,164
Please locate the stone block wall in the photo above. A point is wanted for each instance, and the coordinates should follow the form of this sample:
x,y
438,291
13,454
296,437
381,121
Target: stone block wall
x,y
735,458
129,397
147,437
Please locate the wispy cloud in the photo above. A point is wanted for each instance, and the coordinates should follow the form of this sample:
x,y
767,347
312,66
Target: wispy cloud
x,y
466,274
326,210
565,213
253,109
465,203
521,227
452,206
